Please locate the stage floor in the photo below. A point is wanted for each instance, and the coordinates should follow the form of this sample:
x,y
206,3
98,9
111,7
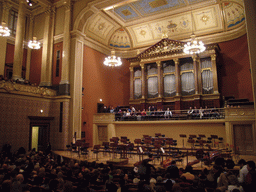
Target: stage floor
x,y
104,158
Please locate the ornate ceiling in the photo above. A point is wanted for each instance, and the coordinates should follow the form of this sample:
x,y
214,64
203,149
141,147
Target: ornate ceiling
x,y
133,25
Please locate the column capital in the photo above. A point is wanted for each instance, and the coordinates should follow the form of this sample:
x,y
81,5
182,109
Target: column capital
x,y
67,4
7,5
48,10
213,57
142,65
176,61
158,63
131,69
194,57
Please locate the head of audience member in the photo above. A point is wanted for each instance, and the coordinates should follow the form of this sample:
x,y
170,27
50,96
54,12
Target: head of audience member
x,y
241,163
251,166
232,180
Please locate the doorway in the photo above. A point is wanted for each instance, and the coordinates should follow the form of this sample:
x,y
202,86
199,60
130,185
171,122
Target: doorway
x,y
40,137
39,134
243,139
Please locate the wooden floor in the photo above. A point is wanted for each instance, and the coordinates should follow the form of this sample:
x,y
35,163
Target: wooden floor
x,y
108,158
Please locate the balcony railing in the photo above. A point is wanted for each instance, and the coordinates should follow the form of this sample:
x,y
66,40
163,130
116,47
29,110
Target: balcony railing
x,y
214,113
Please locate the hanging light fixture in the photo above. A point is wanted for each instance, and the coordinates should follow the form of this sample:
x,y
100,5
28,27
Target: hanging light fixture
x,y
34,44
194,46
112,61
4,31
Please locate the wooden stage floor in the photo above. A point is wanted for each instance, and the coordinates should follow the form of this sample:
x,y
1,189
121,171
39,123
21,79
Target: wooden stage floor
x,y
105,158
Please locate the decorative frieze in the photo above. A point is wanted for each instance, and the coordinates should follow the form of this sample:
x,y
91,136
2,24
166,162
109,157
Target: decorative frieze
x,y
13,87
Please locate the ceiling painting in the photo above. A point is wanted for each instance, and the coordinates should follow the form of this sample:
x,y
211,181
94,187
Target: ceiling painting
x,y
120,39
147,7
143,34
234,14
126,12
100,27
206,19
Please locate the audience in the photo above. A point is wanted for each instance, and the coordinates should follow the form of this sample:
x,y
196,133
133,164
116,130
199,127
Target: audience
x,y
37,172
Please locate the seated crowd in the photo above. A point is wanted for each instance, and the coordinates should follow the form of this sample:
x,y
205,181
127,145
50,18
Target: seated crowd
x,y
152,113
38,172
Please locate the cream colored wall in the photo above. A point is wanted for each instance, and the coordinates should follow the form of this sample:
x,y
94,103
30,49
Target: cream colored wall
x,y
38,30
77,8
59,23
170,129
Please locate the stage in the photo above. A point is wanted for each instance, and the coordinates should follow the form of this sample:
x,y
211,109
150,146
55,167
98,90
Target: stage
x,y
107,158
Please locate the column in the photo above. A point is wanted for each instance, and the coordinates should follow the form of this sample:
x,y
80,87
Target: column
x,y
178,84
250,14
64,83
131,83
18,50
195,66
46,68
214,74
76,77
3,40
177,77
143,83
160,79
30,37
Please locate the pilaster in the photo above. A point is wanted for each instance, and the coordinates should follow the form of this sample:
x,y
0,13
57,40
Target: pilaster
x,y
142,65
214,74
65,81
46,68
3,40
18,50
30,37
177,76
195,66
131,83
76,77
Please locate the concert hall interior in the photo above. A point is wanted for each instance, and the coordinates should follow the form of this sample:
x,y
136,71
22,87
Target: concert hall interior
x,y
62,93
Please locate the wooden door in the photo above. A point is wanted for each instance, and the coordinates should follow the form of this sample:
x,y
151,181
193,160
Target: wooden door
x,y
243,139
43,137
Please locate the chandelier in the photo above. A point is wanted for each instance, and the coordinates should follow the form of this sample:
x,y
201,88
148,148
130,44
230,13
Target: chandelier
x,y
112,61
4,31
194,46
34,44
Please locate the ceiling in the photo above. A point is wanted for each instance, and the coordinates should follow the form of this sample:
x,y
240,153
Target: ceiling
x,y
132,25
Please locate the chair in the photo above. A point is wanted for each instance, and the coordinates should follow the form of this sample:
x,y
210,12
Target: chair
x,y
96,150
105,147
213,138
183,136
221,142
130,149
113,149
84,149
158,134
124,140
68,148
137,142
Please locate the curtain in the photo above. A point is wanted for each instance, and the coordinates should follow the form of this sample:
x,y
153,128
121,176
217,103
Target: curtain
x,y
169,86
207,82
137,89
187,83
152,87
